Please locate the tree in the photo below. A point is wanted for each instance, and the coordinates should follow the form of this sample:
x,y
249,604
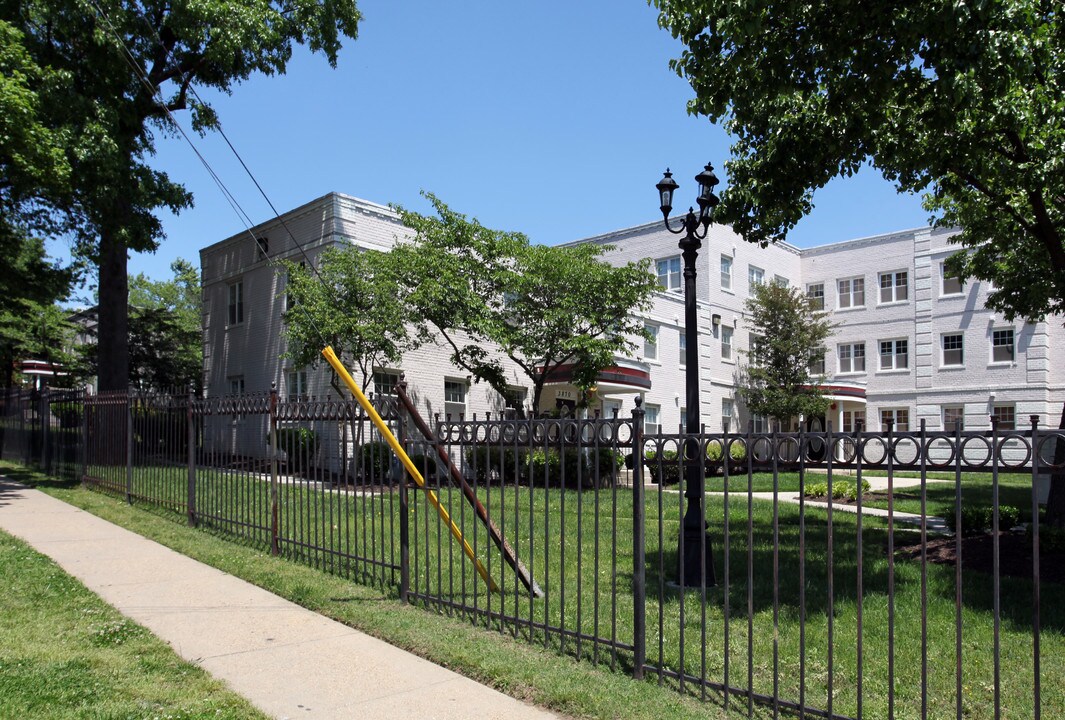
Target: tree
x,y
962,101
544,307
129,66
777,380
165,332
354,303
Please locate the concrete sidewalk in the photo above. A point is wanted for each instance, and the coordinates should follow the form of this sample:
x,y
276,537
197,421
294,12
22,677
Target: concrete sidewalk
x,y
280,656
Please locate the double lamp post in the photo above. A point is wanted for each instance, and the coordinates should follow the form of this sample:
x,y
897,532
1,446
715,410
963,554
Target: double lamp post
x,y
695,564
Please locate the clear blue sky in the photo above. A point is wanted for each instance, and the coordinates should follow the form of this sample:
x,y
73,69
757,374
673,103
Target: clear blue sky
x,y
552,118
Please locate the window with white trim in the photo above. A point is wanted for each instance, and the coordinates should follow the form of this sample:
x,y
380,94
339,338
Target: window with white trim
x,y
781,281
726,414
236,387
761,423
894,354
726,272
851,292
651,421
953,350
894,286
236,303
755,349
816,365
726,342
899,416
755,275
683,349
296,384
650,345
815,296
851,357
1002,345
852,421
669,273
384,382
455,398
950,284
953,417
514,401
1005,415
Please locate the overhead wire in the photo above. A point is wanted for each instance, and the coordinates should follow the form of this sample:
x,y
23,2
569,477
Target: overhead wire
x,y
245,218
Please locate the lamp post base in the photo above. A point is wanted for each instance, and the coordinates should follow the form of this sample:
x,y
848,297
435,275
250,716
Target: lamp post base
x,y
696,560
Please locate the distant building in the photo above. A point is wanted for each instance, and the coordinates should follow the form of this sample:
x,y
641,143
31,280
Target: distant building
x,y
912,344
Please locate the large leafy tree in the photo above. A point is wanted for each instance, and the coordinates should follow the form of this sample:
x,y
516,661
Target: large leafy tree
x,y
777,378
963,101
354,302
165,332
129,65
543,307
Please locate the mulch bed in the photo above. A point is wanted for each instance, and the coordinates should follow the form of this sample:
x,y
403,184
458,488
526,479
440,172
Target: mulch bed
x,y
977,552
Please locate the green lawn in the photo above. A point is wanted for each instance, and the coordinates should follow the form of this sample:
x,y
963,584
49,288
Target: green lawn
x,y
64,653
582,556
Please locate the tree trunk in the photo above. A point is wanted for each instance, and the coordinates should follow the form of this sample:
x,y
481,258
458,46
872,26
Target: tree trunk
x,y
113,313
1055,515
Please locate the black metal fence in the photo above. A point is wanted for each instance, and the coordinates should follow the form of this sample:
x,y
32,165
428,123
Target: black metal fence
x,y
931,591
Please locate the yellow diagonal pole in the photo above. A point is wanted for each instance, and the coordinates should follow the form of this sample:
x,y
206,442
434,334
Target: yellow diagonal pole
x,y
411,468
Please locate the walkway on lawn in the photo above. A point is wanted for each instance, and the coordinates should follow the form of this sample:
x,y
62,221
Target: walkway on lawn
x,y
934,524
278,655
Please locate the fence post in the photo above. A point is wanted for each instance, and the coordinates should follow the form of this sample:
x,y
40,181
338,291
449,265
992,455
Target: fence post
x,y
404,509
43,414
129,448
274,508
22,429
84,434
639,588
190,439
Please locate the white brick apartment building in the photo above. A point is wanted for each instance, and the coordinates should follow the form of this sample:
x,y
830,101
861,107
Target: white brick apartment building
x,y
911,343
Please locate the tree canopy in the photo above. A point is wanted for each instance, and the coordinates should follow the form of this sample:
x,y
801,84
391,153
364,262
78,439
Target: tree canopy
x,y
353,302
543,307
125,68
777,379
962,101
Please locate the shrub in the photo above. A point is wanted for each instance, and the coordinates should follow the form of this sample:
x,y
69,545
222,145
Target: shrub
x,y
817,489
737,451
494,463
300,446
977,519
843,490
665,471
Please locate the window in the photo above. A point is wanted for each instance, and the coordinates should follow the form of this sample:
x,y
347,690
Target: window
x,y
756,348
894,286
1005,416
514,401
852,421
953,417
815,296
817,363
651,425
669,273
296,385
236,303
761,423
899,416
290,299
236,385
726,414
384,382
851,292
953,349
894,354
726,272
264,246
683,349
1002,345
951,285
755,275
781,281
852,358
455,398
650,345
726,342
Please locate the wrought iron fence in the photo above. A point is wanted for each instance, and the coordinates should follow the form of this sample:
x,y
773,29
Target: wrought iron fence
x,y
930,592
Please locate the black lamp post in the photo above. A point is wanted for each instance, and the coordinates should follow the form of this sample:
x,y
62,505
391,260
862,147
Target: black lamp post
x,y
695,562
